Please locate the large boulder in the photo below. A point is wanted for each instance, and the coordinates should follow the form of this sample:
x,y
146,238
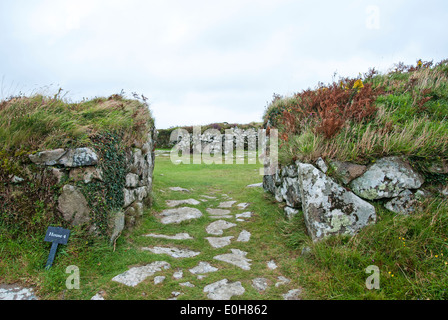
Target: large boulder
x,y
328,208
387,178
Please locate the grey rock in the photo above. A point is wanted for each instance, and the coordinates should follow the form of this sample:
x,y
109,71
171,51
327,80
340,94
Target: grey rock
x,y
244,236
272,265
386,179
48,158
81,157
292,294
237,258
218,212
98,296
290,192
439,167
179,215
255,185
179,236
216,228
179,189
223,290
59,174
227,204
244,215
243,205
404,204
179,274
86,174
175,203
129,197
330,209
260,284
117,225
219,242
132,180
290,212
73,206
269,183
202,268
173,252
187,284
282,281
159,279
136,275
8,292
306,251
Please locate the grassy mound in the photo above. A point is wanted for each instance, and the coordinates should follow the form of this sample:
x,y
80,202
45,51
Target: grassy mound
x,y
404,112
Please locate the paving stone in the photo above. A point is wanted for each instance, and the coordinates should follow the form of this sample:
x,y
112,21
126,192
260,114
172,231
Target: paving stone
x,y
216,228
187,284
98,296
292,294
16,293
208,197
244,215
173,252
226,204
178,274
221,217
203,267
179,236
243,205
223,290
260,284
237,258
178,215
255,185
218,212
282,281
219,242
135,275
244,236
175,203
179,189
159,279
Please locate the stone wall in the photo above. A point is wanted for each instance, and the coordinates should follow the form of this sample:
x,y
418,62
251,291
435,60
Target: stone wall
x,y
92,180
337,197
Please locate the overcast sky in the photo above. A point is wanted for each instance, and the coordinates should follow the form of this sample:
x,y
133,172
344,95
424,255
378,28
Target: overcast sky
x,y
201,61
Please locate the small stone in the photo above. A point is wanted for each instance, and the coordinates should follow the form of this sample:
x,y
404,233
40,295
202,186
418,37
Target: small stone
x,y
218,212
173,252
48,158
320,163
98,296
179,236
135,275
159,279
306,251
219,242
175,203
178,215
208,197
74,206
243,205
216,228
16,179
256,185
179,189
290,212
203,267
244,236
244,215
260,284
187,284
227,204
223,290
237,258
81,157
404,204
272,265
282,281
132,180
179,274
292,294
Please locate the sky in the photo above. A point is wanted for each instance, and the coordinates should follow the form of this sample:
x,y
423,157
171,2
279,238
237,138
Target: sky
x,y
200,62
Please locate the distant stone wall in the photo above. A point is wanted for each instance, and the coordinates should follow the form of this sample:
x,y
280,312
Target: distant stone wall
x,y
336,197
104,188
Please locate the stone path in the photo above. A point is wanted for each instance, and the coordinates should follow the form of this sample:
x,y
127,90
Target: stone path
x,y
216,229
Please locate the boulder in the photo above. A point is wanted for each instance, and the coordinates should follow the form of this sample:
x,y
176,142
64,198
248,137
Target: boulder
x,y
387,178
73,206
81,157
328,208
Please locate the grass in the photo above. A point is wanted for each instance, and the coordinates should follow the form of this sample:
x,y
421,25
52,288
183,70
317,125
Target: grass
x,y
23,259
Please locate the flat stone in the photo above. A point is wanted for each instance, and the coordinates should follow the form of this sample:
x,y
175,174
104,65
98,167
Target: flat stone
x,y
216,228
405,203
48,157
243,205
218,212
178,215
203,267
292,294
237,258
272,265
244,215
320,163
347,171
86,174
8,292
159,279
226,204
223,290
179,236
260,284
187,284
282,281
173,252
179,274
136,275
175,203
244,236
81,157
179,189
255,185
222,217
208,197
98,296
219,242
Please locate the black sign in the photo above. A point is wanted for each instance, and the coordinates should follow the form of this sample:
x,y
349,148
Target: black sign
x,y
56,236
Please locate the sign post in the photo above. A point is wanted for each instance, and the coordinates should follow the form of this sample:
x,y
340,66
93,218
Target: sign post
x,y
56,236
